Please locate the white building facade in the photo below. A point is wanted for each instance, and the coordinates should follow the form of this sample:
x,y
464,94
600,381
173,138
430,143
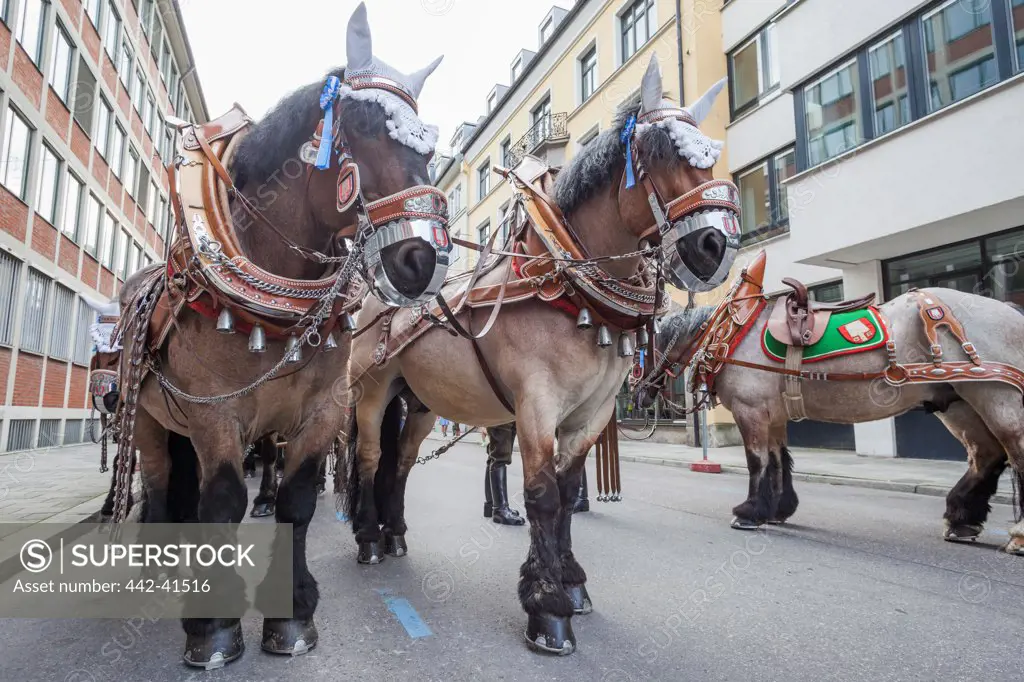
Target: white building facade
x,y
877,146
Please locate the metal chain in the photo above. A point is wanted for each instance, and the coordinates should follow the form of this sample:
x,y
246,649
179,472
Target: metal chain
x,y
223,261
445,447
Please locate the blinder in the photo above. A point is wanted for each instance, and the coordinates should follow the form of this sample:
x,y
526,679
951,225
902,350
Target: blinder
x,y
419,212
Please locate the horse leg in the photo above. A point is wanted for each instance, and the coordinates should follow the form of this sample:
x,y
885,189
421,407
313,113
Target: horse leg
x,y
967,504
378,429
213,642
418,426
151,441
263,505
573,448
547,604
782,484
764,490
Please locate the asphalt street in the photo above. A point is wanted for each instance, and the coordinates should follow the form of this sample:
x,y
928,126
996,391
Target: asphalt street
x,y
859,587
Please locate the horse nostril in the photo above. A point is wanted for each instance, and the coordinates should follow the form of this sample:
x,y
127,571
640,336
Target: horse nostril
x,y
712,243
416,258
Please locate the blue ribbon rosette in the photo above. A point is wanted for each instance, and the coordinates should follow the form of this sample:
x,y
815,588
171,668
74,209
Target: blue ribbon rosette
x,y
626,137
327,97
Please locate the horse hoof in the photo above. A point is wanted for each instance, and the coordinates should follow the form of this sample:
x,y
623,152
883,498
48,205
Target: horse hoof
x,y
289,637
550,634
777,522
581,604
962,533
262,509
369,553
395,545
745,524
214,649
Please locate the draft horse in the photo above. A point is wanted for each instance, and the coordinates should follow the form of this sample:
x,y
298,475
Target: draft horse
x,y
954,353
554,373
266,242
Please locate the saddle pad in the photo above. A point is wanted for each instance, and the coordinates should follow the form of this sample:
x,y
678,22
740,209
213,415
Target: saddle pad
x,y
855,331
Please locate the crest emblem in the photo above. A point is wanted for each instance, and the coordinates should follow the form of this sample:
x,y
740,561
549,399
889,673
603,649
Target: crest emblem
x,y
348,185
859,331
936,313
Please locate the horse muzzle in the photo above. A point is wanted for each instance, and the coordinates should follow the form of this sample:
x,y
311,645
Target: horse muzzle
x,y
406,257
700,249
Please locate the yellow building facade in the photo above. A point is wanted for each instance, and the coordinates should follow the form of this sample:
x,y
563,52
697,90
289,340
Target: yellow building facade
x,y
589,60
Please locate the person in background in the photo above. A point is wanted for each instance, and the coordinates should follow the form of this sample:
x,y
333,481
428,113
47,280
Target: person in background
x,y
456,429
444,426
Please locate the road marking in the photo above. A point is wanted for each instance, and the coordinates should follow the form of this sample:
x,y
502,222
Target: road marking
x,y
406,614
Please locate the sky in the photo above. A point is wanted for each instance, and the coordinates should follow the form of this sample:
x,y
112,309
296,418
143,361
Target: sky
x,y
256,51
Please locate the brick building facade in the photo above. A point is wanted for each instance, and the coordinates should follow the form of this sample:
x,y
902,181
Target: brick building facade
x,y
85,90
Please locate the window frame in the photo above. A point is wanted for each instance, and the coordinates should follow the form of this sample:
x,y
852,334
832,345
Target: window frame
x,y
918,75
61,34
76,215
777,225
10,278
590,52
112,14
14,115
54,207
31,344
767,84
627,23
483,180
36,51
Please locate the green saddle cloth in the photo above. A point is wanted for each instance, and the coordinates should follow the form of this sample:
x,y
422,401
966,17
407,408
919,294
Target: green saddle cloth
x,y
856,331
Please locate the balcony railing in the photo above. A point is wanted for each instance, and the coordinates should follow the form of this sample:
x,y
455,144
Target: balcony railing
x,y
549,127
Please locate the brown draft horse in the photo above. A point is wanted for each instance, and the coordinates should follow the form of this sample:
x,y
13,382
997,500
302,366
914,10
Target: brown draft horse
x,y
205,442
986,416
559,381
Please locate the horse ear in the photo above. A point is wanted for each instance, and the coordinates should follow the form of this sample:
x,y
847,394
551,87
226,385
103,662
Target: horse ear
x,y
417,79
702,107
357,42
651,93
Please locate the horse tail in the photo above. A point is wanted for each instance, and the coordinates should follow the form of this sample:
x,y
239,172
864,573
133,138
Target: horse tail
x,y
347,471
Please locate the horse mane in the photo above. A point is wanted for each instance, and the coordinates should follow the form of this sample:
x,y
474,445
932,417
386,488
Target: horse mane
x,y
684,322
278,136
602,161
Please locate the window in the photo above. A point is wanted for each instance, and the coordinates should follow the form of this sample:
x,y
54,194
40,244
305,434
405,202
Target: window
x,y
143,183
60,68
49,430
85,92
138,95
60,327
19,434
83,340
1017,12
146,15
517,68
172,86
505,152
157,38
546,30
832,112
889,85
49,182
763,197
31,23
961,55
958,266
14,161
108,228
10,272
637,25
136,259
503,220
116,158
149,116
72,431
151,204
483,180
93,211
131,171
165,64
92,10
754,69
455,201
125,71
161,226
829,292
112,34
121,258
33,325
483,233
71,220
492,101
104,115
540,117
588,74
168,146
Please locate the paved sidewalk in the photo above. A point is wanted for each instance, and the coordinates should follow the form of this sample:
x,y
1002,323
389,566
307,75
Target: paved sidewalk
x,y
57,485
925,477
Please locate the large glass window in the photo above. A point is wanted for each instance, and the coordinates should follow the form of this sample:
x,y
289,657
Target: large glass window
x,y
112,34
116,158
1006,254
754,199
483,180
92,10
125,70
1017,22
138,95
637,26
33,326
73,197
121,259
49,181
588,74
31,22
93,211
131,171
108,228
14,161
10,271
958,266
104,115
755,69
763,198
85,92
889,85
832,113
785,168
60,68
63,319
960,54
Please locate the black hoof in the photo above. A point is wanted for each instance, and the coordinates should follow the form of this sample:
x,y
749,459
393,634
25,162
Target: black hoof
x,y
962,533
745,524
395,545
262,509
581,604
214,649
507,517
550,634
288,637
321,489
370,553
581,506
